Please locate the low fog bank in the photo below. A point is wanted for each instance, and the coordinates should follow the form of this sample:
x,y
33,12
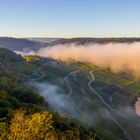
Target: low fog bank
x,y
82,109
120,57
69,107
26,52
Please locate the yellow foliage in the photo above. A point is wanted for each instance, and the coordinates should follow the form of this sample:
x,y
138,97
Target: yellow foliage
x,y
31,58
40,126
35,127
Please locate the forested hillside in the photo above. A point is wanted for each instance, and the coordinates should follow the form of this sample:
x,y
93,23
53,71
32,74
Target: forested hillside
x,y
24,114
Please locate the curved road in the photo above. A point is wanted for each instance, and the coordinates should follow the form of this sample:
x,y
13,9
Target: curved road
x,y
107,105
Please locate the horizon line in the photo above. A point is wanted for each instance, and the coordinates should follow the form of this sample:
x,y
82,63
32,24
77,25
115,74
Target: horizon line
x,y
70,37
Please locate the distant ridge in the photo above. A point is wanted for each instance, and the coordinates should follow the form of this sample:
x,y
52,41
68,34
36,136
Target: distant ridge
x,y
17,43
82,41
44,40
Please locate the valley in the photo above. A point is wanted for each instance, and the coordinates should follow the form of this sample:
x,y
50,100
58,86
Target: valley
x,y
95,97
99,102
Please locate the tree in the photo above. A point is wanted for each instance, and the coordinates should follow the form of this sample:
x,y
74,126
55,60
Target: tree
x,y
37,126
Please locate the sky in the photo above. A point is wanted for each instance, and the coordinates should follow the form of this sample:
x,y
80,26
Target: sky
x,y
70,18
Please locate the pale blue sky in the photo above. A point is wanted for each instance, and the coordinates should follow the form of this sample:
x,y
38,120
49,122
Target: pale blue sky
x,y
70,18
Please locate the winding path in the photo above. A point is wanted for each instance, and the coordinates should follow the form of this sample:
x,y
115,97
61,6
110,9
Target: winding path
x,y
67,81
42,74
